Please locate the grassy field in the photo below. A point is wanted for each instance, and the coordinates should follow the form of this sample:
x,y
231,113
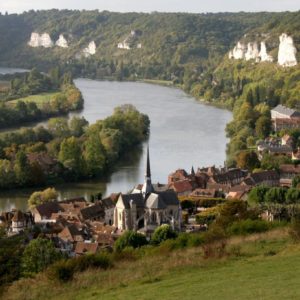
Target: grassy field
x,y
264,266
40,99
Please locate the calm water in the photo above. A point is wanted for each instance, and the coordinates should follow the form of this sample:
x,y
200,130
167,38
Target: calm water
x,y
184,133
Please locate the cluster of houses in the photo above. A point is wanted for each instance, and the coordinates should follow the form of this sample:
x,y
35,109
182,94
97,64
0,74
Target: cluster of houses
x,y
77,226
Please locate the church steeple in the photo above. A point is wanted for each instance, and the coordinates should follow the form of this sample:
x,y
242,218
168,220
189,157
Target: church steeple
x,y
147,187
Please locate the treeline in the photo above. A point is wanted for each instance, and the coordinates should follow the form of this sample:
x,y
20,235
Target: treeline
x,y
69,151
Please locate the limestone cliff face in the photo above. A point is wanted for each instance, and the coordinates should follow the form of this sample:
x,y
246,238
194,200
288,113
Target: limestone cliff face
x,y
40,40
252,52
238,51
62,42
287,51
264,56
90,49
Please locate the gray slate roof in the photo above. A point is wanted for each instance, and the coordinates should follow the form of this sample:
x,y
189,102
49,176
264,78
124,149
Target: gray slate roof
x,y
285,110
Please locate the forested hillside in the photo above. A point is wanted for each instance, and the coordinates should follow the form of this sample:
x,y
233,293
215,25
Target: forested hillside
x,y
188,50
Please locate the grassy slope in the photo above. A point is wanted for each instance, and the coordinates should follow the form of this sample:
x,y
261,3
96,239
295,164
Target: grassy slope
x,y
267,267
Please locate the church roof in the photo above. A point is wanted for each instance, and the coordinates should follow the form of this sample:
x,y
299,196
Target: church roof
x,y
155,201
137,199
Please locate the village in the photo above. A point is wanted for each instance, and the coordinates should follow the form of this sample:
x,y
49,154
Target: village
x,y
78,226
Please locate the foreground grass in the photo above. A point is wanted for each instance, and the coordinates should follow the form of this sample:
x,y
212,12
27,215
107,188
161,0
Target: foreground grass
x,y
265,266
40,99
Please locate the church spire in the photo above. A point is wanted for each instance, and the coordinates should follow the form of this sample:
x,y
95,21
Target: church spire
x,y
147,187
148,170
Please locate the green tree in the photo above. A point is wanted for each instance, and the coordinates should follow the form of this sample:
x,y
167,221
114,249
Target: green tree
x,y
77,126
163,233
70,156
263,127
130,239
275,195
296,181
247,160
257,194
293,196
38,255
58,127
22,168
37,198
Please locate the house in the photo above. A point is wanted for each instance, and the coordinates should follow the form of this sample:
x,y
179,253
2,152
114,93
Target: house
x,y
287,173
268,178
181,187
287,140
238,195
21,221
49,212
230,177
146,210
296,155
285,118
178,175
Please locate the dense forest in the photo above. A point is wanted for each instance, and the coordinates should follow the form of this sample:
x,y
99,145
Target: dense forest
x,y
187,50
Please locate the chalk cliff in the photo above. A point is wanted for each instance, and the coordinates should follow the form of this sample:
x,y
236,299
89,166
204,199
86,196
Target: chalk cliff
x,y
62,42
40,40
238,51
264,56
252,52
287,51
90,49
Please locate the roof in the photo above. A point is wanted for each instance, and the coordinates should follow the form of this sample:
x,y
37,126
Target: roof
x,y
169,198
285,111
155,201
203,192
93,211
181,186
290,168
48,208
229,175
257,178
137,199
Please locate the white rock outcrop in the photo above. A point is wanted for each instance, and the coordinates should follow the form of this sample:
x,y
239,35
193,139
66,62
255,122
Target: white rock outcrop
x,y
40,40
90,49
124,45
263,54
287,51
252,52
62,42
238,52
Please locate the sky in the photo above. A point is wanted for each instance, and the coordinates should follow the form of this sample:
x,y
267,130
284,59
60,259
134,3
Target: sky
x,y
195,6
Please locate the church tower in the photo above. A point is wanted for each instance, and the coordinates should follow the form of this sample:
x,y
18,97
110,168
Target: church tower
x,y
147,187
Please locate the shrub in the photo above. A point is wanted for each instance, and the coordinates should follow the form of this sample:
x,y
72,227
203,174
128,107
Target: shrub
x,y
163,233
247,227
195,239
62,271
130,239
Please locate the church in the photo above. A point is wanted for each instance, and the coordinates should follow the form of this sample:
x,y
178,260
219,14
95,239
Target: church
x,y
145,209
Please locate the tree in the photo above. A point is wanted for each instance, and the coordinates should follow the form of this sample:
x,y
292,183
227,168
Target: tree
x,y
130,239
296,181
275,195
263,126
58,127
293,196
39,254
257,194
70,156
37,198
22,168
247,160
77,126
94,155
163,233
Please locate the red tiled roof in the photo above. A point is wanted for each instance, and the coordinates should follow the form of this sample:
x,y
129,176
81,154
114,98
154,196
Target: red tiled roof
x,y
181,186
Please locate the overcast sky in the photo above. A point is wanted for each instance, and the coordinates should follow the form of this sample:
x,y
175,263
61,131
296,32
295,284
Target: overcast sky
x,y
196,6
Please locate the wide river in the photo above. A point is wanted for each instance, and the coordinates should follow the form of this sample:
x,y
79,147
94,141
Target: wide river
x,y
184,133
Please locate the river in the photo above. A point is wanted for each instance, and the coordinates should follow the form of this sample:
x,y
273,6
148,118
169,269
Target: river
x,y
184,133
